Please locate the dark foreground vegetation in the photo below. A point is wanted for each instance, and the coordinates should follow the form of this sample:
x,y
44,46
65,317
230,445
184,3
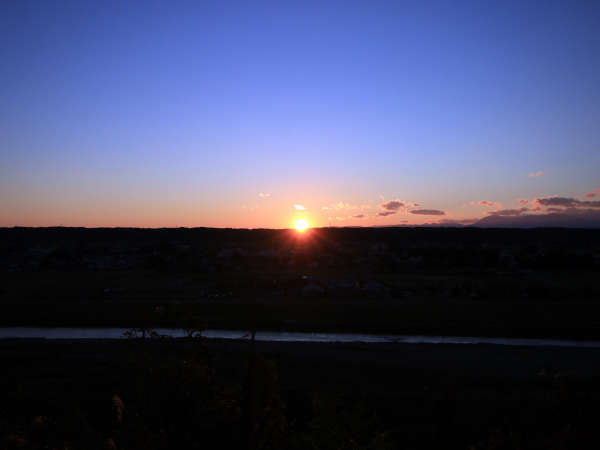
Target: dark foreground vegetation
x,y
184,394
190,393
469,281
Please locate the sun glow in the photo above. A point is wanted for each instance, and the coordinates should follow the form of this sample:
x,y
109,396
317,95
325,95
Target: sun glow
x,y
301,225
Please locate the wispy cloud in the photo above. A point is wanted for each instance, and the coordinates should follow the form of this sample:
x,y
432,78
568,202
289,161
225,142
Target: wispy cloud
x,y
386,213
567,202
343,206
428,212
523,201
456,222
487,203
263,195
299,207
359,216
556,201
594,193
539,173
508,212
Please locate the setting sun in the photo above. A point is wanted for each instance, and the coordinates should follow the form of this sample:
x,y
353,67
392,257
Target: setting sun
x,y
301,225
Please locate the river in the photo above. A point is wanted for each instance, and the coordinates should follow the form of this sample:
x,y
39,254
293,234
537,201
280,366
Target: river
x,y
287,336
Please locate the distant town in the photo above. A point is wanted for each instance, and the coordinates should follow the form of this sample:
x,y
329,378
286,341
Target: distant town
x,y
383,279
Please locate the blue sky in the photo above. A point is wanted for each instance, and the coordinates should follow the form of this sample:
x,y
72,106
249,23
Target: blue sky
x,y
182,113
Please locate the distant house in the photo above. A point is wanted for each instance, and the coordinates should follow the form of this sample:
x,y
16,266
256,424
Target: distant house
x,y
374,287
313,289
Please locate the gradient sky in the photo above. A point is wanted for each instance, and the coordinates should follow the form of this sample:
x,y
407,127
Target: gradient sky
x,y
199,113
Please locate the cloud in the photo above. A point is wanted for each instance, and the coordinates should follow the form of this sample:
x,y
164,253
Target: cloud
x,y
386,213
551,209
342,206
456,222
359,216
508,212
300,207
428,212
593,204
486,203
539,173
263,195
450,223
556,201
594,193
392,205
567,218
566,202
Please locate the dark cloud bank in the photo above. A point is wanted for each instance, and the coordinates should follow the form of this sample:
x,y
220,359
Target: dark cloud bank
x,y
568,218
392,205
428,212
562,212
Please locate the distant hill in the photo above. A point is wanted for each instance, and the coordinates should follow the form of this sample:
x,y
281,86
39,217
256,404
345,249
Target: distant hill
x,y
567,219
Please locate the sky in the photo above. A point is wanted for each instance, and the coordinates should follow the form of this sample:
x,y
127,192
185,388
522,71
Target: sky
x,y
253,114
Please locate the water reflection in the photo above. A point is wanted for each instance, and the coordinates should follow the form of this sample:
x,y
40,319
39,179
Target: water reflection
x,y
285,336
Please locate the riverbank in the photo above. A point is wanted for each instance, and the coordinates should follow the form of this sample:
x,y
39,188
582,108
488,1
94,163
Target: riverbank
x,y
432,317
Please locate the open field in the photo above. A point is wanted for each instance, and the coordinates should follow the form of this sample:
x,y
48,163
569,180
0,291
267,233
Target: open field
x,y
531,283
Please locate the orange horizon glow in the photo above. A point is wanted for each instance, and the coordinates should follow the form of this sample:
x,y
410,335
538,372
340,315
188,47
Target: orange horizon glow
x,y
272,211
